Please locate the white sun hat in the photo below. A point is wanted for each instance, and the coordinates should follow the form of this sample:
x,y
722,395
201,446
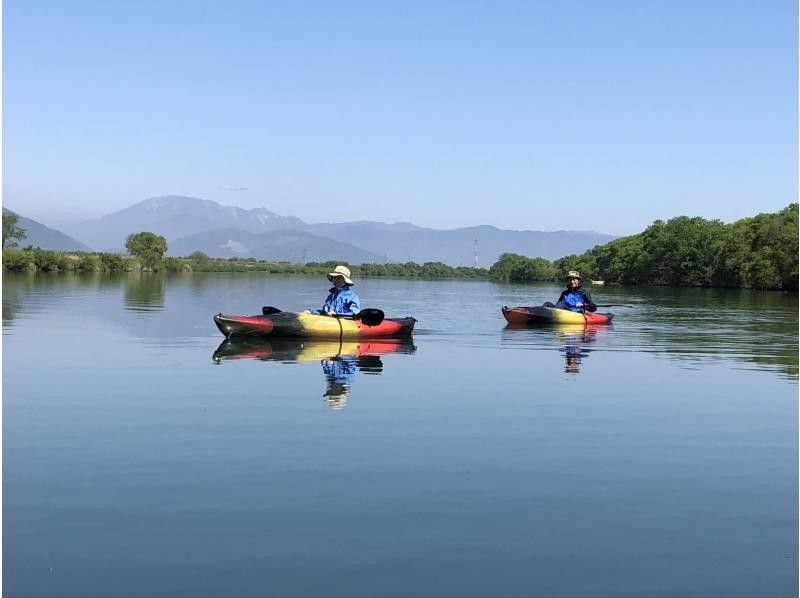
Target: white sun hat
x,y
342,271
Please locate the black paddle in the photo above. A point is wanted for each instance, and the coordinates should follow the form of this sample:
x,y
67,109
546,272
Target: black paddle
x,y
614,305
370,316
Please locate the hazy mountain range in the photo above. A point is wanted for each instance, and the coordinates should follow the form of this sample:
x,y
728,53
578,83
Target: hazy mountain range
x,y
279,245
39,235
192,224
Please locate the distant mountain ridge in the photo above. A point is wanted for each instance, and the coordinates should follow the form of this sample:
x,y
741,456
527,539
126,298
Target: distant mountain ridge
x,y
39,235
457,246
276,246
175,216
182,220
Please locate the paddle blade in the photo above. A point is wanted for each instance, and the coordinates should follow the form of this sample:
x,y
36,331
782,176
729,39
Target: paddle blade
x,y
268,310
370,316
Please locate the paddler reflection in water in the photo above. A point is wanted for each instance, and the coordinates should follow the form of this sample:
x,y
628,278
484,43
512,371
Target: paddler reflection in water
x,y
342,299
339,372
341,361
574,297
575,346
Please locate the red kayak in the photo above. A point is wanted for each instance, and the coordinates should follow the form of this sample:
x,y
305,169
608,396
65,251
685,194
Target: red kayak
x,y
551,315
303,325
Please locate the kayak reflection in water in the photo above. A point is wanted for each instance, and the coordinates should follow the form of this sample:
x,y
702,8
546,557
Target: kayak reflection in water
x,y
340,360
574,297
575,346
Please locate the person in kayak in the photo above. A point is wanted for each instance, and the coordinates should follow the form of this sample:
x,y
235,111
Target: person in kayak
x,y
342,299
574,297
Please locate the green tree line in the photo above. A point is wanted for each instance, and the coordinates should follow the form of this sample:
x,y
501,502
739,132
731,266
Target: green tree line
x,y
760,252
146,252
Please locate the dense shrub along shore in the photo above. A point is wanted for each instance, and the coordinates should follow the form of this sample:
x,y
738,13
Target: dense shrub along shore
x,y
33,259
760,252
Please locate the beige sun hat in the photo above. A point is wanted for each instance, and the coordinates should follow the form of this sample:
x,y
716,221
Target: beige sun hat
x,y
342,271
574,274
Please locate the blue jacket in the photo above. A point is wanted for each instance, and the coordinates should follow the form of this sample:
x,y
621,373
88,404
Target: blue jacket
x,y
343,301
571,297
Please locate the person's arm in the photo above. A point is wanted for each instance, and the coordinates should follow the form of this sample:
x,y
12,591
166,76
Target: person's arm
x,y
355,304
327,306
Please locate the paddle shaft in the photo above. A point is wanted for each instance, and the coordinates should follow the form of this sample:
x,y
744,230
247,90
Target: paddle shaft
x,y
613,305
369,315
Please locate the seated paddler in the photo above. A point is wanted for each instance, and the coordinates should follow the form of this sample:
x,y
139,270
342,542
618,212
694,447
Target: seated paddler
x,y
342,299
574,297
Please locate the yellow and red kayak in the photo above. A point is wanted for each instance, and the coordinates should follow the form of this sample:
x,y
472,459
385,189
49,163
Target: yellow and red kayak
x,y
303,325
552,315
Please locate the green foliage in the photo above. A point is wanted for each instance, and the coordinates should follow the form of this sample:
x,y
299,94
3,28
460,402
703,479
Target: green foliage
x,y
148,247
414,270
11,232
89,262
18,261
51,261
33,258
38,259
113,262
759,253
174,264
512,267
329,265
471,272
585,264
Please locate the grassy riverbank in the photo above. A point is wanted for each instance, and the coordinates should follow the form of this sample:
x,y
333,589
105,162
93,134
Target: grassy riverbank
x,y
34,259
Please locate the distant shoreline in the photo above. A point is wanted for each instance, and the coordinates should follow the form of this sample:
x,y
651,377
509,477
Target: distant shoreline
x,y
760,252
39,260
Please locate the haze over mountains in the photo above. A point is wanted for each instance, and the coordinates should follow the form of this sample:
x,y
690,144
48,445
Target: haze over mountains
x,y
192,224
277,245
39,235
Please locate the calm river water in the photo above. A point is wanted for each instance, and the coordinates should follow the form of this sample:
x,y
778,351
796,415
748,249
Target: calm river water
x,y
655,457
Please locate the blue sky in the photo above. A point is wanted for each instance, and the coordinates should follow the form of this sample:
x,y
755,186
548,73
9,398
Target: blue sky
x,y
536,115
